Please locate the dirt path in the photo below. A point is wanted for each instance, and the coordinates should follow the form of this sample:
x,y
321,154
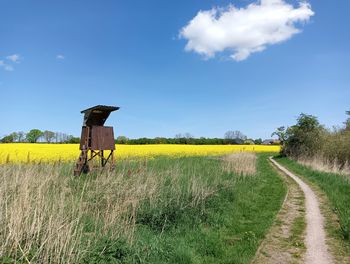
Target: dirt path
x,y
284,242
315,239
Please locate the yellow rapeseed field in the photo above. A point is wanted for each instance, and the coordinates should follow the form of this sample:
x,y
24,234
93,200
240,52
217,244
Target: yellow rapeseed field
x,y
25,152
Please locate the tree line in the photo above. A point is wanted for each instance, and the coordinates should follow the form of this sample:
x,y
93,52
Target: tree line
x,y
36,135
230,137
308,139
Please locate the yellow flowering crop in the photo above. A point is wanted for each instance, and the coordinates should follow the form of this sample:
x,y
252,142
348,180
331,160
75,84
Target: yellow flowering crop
x,y
25,152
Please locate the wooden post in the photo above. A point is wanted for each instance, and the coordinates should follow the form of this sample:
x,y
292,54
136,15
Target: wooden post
x,y
112,160
102,158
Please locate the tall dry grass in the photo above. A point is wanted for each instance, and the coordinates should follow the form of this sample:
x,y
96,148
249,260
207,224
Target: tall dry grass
x,y
320,163
40,215
47,216
240,163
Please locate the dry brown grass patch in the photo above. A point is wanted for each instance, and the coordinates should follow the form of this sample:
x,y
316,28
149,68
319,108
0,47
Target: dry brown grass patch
x,y
322,164
243,163
47,216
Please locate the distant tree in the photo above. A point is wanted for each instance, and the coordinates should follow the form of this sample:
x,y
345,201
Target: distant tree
x,y
60,137
249,141
48,136
33,135
347,122
73,140
187,135
234,137
56,138
122,140
258,141
186,138
304,138
8,139
179,135
20,136
65,137
189,139
229,134
202,141
281,133
14,136
160,140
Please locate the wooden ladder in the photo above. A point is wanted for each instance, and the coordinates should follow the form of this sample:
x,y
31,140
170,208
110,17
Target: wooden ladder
x,y
82,163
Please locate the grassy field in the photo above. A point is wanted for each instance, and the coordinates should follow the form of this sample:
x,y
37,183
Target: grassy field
x,y
160,210
336,187
26,152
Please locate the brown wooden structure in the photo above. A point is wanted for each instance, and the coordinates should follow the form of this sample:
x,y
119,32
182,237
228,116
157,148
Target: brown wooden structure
x,y
95,139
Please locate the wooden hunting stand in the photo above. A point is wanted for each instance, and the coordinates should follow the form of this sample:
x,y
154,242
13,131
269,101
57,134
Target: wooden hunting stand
x,y
95,139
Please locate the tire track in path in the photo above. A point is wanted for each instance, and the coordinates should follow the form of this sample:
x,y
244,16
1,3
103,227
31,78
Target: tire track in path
x,y
315,239
284,243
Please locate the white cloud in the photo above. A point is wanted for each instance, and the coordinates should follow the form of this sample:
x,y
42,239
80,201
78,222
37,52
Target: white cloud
x,y
244,31
14,58
9,61
59,57
5,66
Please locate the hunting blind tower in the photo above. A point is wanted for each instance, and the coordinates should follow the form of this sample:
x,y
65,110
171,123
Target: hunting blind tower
x,y
95,139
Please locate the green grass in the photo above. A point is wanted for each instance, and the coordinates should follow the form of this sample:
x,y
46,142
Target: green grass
x,y
190,211
297,231
336,187
227,229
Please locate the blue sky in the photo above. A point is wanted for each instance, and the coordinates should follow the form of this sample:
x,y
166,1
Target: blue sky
x,y
76,54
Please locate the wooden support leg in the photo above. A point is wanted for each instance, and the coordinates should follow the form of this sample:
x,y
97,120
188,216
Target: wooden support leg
x,y
91,163
102,158
112,160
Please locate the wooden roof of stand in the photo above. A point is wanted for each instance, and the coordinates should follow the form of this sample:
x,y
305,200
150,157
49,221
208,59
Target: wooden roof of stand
x,y
97,115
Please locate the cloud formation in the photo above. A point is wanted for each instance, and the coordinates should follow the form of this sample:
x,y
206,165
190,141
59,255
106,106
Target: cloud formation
x,y
5,66
14,58
60,57
7,63
244,31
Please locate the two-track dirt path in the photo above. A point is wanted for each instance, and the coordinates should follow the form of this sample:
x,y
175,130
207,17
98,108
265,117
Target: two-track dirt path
x,y
315,237
284,243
